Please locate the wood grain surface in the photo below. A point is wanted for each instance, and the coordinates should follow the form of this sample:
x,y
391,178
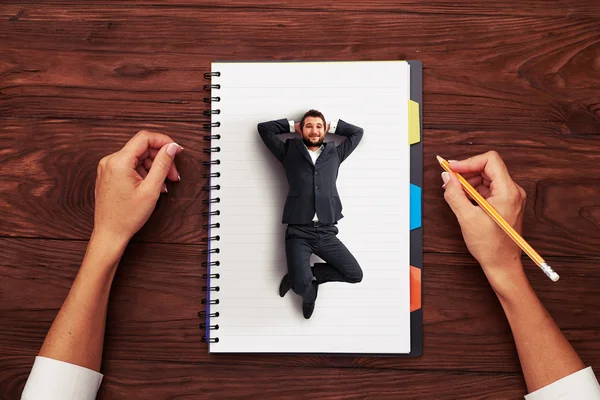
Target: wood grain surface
x,y
570,8
78,79
127,379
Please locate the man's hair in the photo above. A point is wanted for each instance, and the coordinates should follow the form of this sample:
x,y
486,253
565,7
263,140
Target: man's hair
x,y
313,113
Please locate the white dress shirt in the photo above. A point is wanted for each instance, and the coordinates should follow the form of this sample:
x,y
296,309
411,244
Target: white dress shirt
x,y
313,156
316,153
580,385
58,380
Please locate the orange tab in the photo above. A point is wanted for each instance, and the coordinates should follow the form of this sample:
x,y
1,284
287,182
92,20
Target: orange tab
x,y
415,288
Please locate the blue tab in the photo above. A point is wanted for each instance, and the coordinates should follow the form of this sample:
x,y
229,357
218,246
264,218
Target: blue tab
x,y
415,207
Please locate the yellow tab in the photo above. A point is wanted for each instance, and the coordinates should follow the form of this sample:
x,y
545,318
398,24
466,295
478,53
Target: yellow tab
x,y
414,123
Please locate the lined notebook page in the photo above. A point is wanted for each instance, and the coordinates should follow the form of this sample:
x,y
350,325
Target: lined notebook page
x,y
369,317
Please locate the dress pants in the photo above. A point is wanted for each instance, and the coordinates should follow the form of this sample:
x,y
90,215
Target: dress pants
x,y
340,265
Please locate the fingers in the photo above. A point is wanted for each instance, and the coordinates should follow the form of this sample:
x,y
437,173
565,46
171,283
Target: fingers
x,y
484,191
475,180
173,174
480,184
141,171
489,165
472,174
455,196
144,140
148,153
161,166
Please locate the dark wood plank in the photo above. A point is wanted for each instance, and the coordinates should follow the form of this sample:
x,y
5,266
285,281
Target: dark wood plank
x,y
571,8
184,380
74,83
156,294
488,73
48,170
46,196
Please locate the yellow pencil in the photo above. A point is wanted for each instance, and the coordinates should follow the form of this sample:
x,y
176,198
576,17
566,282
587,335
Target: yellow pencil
x,y
518,239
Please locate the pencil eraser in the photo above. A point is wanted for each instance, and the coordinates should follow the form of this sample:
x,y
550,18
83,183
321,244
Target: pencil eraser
x,y
554,276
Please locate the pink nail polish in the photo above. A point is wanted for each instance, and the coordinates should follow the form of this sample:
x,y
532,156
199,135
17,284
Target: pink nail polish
x,y
445,178
172,149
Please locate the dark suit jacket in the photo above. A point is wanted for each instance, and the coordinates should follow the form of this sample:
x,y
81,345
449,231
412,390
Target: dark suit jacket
x,y
311,187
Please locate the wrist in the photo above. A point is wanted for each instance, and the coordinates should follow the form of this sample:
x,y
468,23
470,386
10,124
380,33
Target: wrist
x,y
109,238
517,300
508,282
106,250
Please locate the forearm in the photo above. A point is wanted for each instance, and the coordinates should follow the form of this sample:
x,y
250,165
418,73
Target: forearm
x,y
268,132
77,334
276,127
353,136
545,354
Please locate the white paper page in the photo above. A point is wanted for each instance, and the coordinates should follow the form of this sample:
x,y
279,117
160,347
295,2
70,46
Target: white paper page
x,y
372,316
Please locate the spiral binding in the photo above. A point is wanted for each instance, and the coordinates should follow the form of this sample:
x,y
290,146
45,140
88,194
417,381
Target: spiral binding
x,y
212,137
207,326
207,126
211,201
207,264
203,314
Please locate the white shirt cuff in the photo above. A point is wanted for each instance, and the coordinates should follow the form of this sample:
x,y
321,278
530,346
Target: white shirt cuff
x,y
58,380
580,385
292,127
333,125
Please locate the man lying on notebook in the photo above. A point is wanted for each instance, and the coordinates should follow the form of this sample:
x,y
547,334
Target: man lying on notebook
x,y
313,205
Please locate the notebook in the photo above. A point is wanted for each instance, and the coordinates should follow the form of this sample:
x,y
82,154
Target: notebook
x,y
379,185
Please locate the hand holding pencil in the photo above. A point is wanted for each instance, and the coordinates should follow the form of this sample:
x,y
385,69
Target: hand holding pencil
x,y
492,230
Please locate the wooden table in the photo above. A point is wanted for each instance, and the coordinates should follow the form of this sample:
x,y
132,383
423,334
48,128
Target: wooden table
x,y
79,79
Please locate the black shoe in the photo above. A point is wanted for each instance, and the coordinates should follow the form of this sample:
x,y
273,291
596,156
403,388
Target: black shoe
x,y
308,308
285,285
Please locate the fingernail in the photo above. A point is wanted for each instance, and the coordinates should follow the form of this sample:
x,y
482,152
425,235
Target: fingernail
x,y
445,178
451,161
165,188
180,147
172,149
178,177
